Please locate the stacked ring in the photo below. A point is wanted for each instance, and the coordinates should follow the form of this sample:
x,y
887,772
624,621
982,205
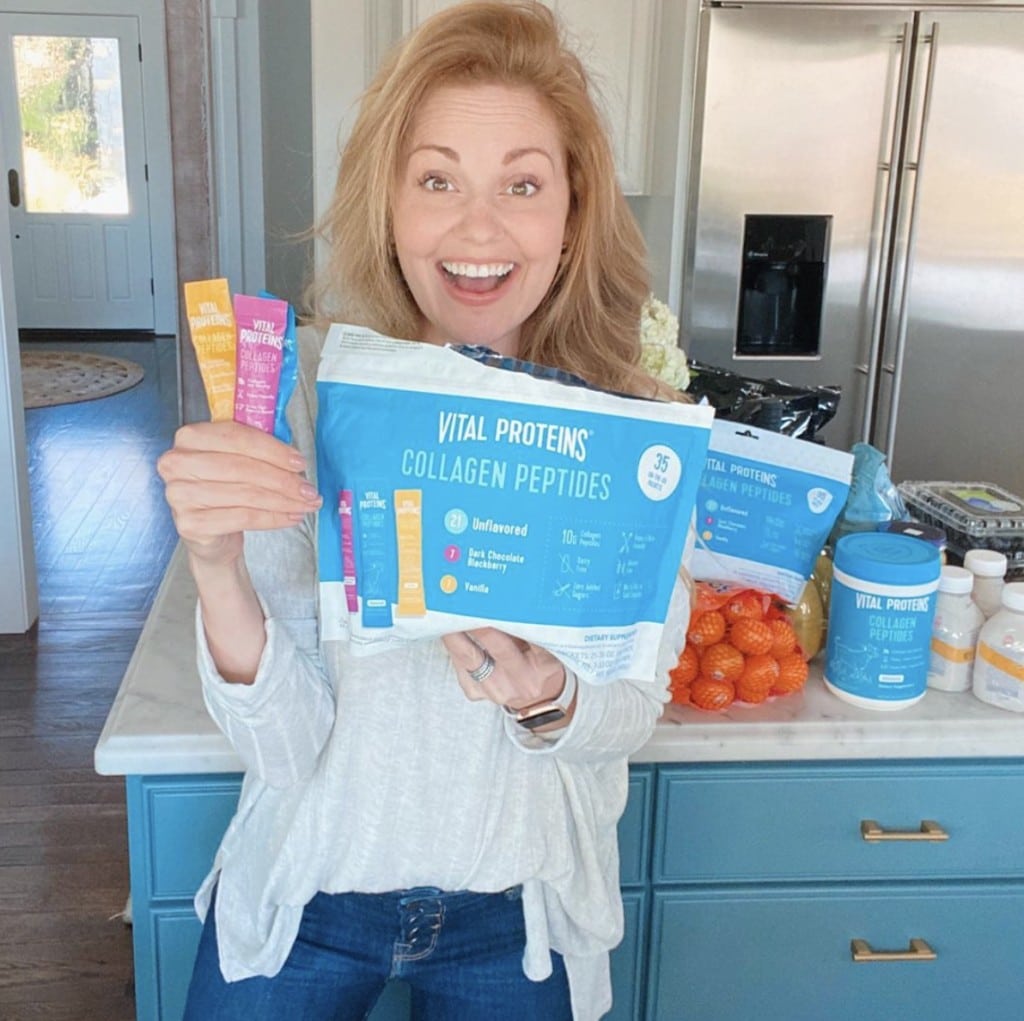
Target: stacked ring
x,y
484,670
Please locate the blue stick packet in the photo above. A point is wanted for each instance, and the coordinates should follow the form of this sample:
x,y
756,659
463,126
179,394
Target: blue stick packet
x,y
289,374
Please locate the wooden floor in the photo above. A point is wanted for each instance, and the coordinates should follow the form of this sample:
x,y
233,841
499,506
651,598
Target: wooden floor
x,y
103,536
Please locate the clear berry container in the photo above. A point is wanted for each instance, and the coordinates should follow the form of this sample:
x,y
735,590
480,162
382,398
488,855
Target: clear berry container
x,y
974,515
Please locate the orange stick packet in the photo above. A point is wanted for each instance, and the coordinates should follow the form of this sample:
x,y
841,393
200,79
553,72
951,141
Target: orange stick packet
x,y
211,323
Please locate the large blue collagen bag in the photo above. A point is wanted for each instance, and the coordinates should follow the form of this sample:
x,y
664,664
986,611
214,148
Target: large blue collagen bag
x,y
459,495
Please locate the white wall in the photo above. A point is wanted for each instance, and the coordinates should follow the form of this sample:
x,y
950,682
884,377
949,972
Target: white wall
x,y
237,157
341,40
286,79
19,598
662,210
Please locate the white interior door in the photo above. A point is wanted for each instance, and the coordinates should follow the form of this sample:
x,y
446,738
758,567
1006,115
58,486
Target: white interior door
x,y
72,120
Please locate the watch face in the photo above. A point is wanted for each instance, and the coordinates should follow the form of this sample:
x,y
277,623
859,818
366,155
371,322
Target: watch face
x,y
540,716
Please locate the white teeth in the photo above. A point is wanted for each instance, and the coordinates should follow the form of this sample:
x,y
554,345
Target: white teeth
x,y
470,269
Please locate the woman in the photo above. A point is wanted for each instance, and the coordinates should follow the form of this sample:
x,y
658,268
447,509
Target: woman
x,y
395,820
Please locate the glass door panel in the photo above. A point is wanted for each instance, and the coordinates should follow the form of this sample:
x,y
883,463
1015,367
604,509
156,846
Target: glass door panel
x,y
72,124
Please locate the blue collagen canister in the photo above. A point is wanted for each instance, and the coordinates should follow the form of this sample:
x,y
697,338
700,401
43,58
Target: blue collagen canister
x,y
880,617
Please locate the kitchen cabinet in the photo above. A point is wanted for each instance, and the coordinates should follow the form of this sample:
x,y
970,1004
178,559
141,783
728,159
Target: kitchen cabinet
x,y
175,823
744,886
769,882
618,45
744,869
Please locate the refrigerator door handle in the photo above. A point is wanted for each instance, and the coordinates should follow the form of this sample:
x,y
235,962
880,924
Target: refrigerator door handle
x,y
862,368
912,165
888,202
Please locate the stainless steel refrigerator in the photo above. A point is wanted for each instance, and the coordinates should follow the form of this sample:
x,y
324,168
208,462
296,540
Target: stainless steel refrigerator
x,y
857,218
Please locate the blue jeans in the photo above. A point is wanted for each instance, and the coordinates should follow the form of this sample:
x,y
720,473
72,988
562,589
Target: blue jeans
x,y
461,954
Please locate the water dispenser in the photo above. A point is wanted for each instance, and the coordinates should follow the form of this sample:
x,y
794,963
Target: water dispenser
x,y
782,285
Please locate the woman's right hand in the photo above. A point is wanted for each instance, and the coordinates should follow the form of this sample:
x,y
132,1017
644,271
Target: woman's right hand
x,y
224,478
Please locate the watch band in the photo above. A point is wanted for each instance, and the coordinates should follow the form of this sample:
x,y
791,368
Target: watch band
x,y
548,710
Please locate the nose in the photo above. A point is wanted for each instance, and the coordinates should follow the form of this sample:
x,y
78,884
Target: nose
x,y
481,220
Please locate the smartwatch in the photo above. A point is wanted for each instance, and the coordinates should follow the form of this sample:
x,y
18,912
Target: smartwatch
x,y
548,710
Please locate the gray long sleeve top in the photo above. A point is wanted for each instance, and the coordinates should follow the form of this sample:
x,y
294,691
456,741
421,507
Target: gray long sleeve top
x,y
376,773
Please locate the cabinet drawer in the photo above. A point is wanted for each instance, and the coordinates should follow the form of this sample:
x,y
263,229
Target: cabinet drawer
x,y
727,823
185,818
635,827
735,954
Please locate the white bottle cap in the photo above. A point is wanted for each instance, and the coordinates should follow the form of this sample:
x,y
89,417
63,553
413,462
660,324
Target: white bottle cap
x,y
1013,596
986,563
956,580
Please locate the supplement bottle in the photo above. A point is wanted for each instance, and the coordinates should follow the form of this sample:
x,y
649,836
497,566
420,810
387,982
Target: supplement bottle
x,y
989,570
999,663
880,617
954,632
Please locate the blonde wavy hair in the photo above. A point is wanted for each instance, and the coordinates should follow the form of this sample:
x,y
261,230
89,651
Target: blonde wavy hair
x,y
589,321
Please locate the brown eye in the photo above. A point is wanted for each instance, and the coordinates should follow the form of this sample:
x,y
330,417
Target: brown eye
x,y
523,188
434,182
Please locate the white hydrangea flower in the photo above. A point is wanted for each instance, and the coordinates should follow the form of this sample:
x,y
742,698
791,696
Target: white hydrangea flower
x,y
660,354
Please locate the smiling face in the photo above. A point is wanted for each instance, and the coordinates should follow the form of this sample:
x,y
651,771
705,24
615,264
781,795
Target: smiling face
x,y
479,212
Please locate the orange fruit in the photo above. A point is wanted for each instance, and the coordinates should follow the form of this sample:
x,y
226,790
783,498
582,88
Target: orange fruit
x,y
784,637
759,673
721,662
688,667
708,694
751,695
750,636
707,628
680,694
747,603
792,674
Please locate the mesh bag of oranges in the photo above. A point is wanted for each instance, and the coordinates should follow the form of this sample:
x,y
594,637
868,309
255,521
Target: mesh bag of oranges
x,y
740,646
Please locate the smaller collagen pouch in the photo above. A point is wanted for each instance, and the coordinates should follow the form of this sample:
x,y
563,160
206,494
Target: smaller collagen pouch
x,y
460,495
261,326
765,507
211,324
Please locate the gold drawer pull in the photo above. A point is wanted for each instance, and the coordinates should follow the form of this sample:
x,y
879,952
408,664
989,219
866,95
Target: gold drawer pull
x,y
930,830
918,950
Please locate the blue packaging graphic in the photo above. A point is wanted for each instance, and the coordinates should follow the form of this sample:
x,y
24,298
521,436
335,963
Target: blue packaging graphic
x,y
486,497
765,507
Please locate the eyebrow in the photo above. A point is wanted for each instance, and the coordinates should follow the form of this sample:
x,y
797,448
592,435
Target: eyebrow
x,y
510,157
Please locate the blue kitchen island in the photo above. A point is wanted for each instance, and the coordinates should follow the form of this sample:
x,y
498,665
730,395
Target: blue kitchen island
x,y
793,861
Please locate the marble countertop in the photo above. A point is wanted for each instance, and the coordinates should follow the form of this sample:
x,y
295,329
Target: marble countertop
x,y
158,723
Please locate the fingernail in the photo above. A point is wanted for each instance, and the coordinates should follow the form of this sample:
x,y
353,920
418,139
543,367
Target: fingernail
x,y
308,492
296,461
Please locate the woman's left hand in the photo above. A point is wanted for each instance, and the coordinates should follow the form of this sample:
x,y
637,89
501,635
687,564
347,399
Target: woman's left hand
x,y
523,674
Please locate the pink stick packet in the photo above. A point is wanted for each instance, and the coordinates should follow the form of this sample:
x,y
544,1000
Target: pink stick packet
x,y
260,325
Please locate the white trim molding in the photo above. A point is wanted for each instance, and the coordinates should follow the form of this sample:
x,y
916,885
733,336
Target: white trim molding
x,y
19,594
237,143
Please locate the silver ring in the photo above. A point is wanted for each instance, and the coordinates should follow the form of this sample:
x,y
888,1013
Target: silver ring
x,y
484,670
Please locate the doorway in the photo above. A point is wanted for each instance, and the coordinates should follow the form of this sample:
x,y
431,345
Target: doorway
x,y
71,106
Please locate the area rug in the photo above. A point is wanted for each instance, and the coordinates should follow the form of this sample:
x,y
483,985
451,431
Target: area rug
x,y
66,377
